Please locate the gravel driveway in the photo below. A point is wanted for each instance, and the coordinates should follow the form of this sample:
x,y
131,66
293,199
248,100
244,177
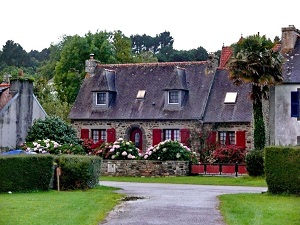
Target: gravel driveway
x,y
171,204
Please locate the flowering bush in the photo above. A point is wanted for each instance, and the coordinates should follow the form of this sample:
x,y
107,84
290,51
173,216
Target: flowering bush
x,y
229,154
170,150
90,147
120,149
52,147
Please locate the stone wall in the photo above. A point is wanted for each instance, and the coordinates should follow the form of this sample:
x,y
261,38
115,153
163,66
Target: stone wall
x,y
144,168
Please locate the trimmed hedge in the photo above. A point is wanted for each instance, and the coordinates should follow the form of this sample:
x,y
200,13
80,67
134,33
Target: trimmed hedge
x,y
255,163
282,169
78,172
25,173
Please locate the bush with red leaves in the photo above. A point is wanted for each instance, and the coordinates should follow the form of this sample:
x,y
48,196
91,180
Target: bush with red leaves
x,y
229,154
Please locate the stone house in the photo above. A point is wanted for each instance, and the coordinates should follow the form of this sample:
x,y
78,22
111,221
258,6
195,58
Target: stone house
x,y
18,109
284,103
151,102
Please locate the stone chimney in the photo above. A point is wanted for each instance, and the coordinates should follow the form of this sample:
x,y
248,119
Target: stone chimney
x,y
225,56
288,38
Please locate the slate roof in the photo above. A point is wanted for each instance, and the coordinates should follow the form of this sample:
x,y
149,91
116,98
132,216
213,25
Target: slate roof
x,y
291,71
218,111
155,78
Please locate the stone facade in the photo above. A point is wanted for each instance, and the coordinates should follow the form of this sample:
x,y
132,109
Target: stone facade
x,y
234,127
123,127
144,168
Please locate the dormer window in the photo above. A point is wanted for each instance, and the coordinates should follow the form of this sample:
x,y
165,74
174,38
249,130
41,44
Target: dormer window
x,y
101,98
173,97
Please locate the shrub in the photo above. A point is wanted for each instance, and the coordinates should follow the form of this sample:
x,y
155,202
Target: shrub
x,y
119,150
52,147
52,128
78,172
170,150
282,169
255,163
229,154
25,173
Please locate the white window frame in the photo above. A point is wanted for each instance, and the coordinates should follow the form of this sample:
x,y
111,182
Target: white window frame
x,y
101,93
169,98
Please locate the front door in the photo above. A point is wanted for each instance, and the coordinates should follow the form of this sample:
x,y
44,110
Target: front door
x,y
137,138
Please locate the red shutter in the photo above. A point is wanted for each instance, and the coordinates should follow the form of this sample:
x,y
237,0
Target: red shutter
x,y
212,137
111,135
85,134
156,136
227,141
241,138
184,136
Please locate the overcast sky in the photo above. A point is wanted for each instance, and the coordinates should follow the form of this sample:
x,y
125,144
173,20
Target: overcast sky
x,y
35,24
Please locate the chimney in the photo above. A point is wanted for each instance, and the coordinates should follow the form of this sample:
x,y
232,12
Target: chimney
x,y
288,38
225,56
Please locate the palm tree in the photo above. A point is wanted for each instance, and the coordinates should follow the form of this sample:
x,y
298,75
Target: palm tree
x,y
255,62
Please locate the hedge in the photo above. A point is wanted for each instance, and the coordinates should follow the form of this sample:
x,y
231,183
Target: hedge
x,y
78,172
25,173
282,169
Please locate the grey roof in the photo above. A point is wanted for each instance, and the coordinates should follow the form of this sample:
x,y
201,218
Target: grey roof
x,y
155,78
291,71
218,111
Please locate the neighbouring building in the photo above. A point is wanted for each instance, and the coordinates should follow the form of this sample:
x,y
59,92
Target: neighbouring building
x,y
18,109
284,116
151,102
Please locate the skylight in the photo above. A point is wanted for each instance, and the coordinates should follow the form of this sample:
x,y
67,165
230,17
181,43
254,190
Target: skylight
x,y
230,97
141,94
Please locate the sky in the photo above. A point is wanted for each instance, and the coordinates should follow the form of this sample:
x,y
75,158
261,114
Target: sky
x,y
36,24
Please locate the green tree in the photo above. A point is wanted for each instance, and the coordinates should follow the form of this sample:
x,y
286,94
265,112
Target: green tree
x,y
122,48
52,128
14,55
255,62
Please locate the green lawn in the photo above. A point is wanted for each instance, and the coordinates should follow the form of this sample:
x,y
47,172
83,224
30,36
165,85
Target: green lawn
x,y
57,208
91,206
203,180
260,209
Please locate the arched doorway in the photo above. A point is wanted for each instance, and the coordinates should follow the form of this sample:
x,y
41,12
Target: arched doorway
x,y
136,136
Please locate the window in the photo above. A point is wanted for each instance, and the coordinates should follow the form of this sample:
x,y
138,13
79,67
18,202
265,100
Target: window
x,y
172,134
173,97
227,137
295,96
98,135
101,98
141,94
230,97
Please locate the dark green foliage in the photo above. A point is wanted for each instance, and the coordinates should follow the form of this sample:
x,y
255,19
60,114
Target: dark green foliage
x,y
282,168
78,172
255,163
259,127
54,129
25,173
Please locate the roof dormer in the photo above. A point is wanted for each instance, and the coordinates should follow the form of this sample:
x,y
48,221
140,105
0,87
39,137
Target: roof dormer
x,y
176,92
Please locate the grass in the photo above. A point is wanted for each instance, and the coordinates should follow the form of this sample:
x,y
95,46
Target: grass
x,y
260,209
58,208
200,180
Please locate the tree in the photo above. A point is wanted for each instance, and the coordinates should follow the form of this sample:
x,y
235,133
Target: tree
x,y
255,62
14,55
54,129
122,48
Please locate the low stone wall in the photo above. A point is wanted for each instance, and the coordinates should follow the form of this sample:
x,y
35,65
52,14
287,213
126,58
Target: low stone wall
x,y
146,168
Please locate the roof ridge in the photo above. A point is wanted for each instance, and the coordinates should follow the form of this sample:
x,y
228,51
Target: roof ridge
x,y
153,64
